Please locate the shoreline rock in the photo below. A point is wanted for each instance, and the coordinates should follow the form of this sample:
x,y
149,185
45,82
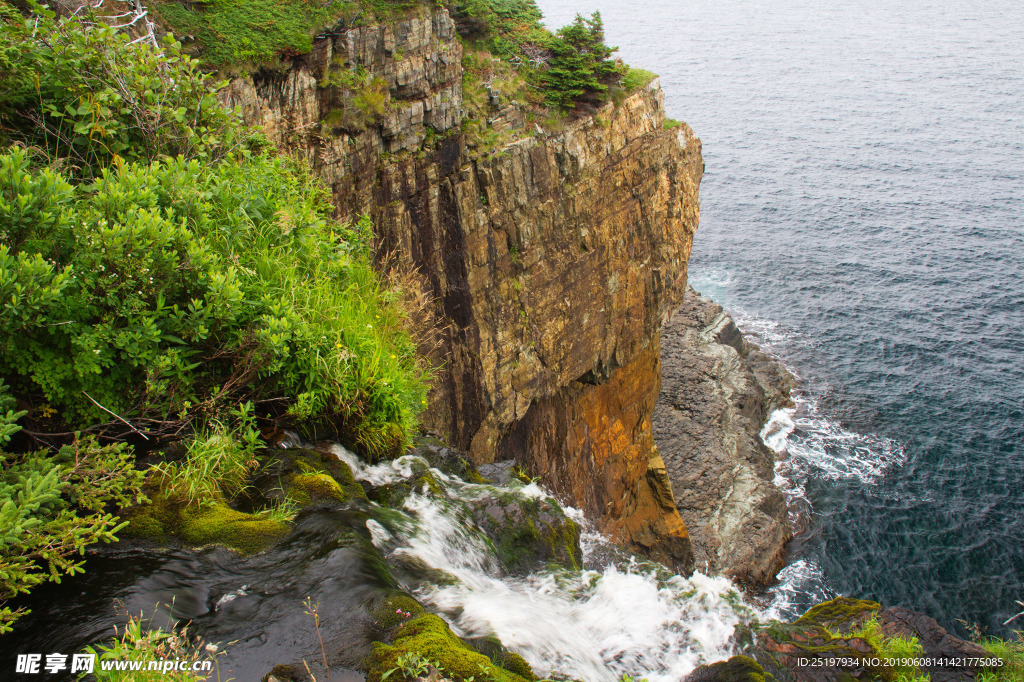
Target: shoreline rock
x,y
717,391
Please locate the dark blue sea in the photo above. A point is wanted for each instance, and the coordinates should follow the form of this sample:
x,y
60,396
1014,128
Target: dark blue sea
x,y
863,215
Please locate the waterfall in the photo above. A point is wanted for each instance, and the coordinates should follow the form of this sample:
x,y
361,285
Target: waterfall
x,y
627,617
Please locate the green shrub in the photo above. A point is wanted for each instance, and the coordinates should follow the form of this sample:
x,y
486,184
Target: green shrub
x,y
634,79
580,63
54,504
176,288
169,288
89,97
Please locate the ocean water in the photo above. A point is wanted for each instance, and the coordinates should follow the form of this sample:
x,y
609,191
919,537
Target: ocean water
x,y
863,214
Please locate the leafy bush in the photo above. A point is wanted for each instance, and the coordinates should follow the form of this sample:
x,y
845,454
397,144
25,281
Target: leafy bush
x,y
54,504
86,95
177,288
173,276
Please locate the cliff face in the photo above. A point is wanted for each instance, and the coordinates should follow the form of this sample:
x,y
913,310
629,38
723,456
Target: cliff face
x,y
553,261
717,391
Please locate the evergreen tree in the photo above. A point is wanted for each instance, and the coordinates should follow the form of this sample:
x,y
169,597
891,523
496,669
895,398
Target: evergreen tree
x,y
580,61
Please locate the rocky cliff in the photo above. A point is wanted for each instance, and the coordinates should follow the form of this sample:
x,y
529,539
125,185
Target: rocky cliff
x,y
717,391
552,260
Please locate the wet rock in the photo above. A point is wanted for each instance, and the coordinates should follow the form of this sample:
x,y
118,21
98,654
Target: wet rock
x,y
736,669
409,631
306,477
528,533
717,391
846,638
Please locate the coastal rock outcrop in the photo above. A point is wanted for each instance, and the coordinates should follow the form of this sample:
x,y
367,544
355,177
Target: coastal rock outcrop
x,y
717,391
551,259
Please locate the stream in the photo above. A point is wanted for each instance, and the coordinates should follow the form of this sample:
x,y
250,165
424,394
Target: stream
x,y
616,615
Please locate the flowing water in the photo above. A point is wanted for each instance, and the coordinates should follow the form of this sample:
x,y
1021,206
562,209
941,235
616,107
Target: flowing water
x,y
862,214
616,615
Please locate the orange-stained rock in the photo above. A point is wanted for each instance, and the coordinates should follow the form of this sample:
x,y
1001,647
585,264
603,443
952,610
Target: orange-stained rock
x,y
552,260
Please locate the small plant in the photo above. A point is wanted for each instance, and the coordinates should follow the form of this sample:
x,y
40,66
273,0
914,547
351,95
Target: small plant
x,y
897,648
138,640
313,610
411,665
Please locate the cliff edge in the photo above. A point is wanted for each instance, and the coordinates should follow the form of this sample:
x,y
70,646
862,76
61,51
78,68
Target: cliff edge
x,y
552,257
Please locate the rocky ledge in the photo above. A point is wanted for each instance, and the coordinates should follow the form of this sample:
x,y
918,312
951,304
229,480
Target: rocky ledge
x,y
717,391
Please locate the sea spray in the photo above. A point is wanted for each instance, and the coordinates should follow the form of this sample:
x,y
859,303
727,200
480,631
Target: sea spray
x,y
628,616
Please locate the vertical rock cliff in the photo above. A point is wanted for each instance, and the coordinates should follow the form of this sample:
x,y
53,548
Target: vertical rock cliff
x,y
553,259
717,391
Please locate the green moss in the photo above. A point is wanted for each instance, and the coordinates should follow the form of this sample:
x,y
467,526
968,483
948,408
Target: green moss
x,y
306,489
842,615
516,664
429,636
169,517
736,669
389,612
670,123
845,628
539,535
219,524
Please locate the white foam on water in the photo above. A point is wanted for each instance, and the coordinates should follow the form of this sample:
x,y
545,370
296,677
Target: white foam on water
x,y
800,583
633,617
813,445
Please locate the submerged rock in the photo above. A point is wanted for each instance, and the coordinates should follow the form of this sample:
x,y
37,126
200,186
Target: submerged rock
x,y
717,391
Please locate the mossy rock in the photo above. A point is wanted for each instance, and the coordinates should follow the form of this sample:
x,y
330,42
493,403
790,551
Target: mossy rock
x,y
429,636
394,494
736,669
822,634
527,532
305,477
169,518
840,615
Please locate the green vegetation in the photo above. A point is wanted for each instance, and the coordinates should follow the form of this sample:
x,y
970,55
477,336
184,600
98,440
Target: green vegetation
x,y
233,35
1012,654
892,648
580,64
425,639
364,97
139,641
54,504
634,79
254,32
165,278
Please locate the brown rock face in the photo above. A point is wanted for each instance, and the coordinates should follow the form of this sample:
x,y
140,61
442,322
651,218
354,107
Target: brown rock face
x,y
552,261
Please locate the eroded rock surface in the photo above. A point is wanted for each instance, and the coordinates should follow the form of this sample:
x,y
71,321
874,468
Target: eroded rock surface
x,y
717,391
552,260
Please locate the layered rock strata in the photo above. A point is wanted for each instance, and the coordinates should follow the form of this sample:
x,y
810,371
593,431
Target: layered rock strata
x,y
717,392
551,260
